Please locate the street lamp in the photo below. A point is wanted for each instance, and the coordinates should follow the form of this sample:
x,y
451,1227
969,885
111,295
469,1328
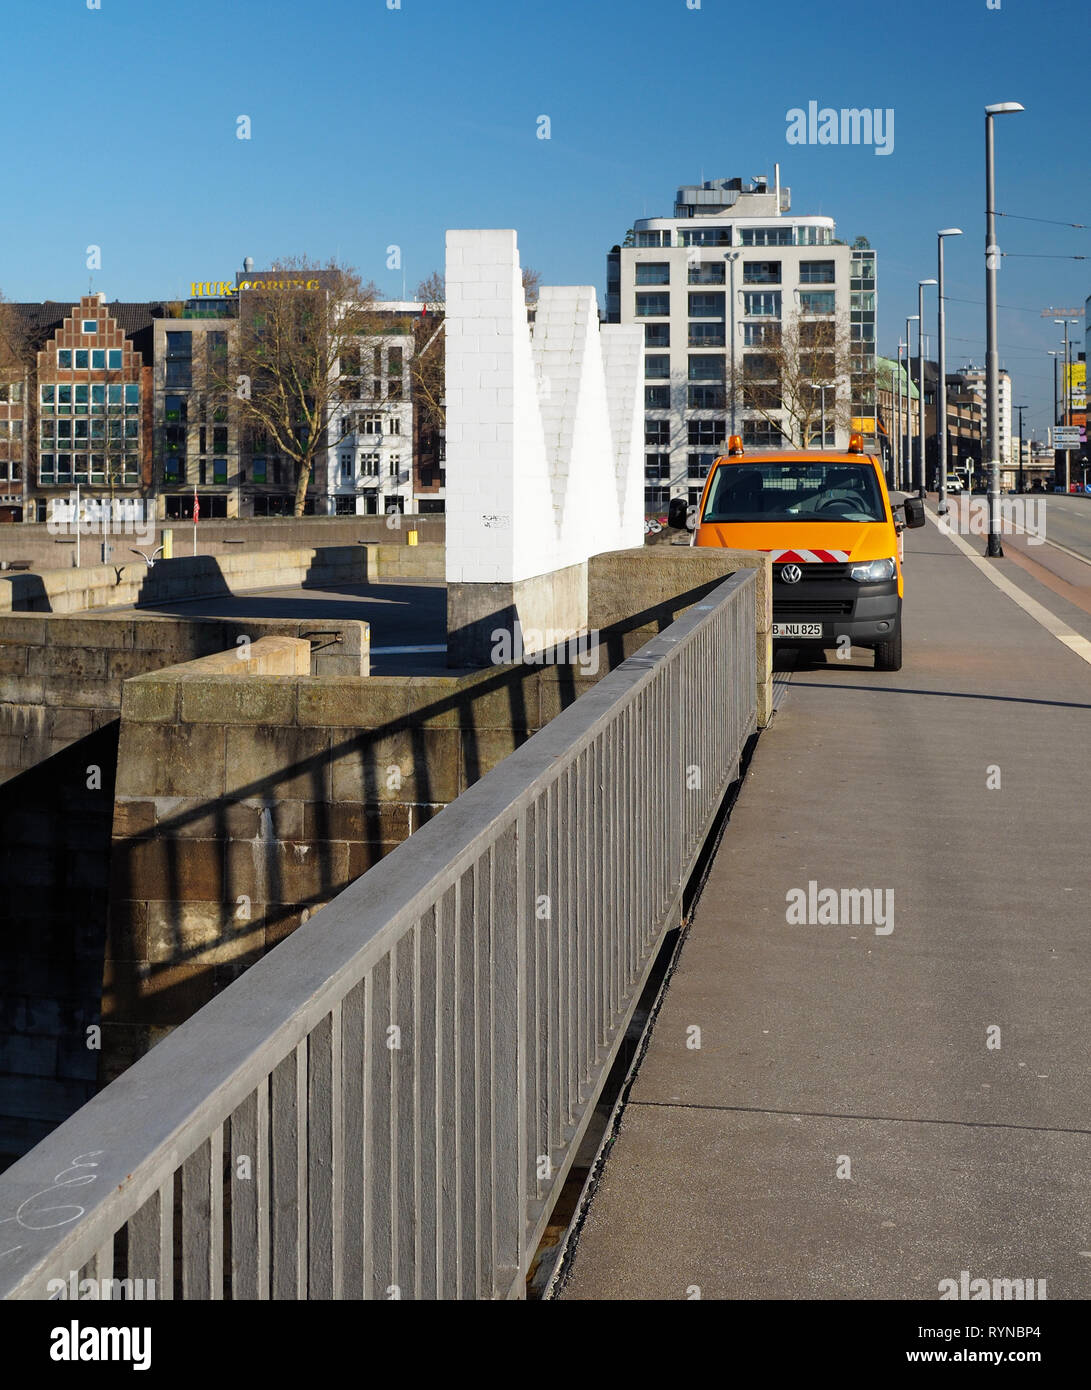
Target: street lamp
x,y
920,381
1020,409
1066,396
907,470
731,257
941,395
992,350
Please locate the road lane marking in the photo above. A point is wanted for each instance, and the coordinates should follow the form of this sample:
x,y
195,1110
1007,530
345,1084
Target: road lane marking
x,y
1041,615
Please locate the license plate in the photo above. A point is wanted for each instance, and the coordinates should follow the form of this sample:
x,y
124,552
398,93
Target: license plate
x,y
797,629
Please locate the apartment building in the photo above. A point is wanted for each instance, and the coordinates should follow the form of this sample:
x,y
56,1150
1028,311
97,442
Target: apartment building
x,y
729,275
369,468
92,407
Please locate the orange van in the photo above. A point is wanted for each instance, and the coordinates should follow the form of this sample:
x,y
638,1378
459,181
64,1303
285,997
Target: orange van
x,y
828,525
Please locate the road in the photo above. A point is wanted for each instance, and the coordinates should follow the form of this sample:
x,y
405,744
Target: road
x,y
864,1114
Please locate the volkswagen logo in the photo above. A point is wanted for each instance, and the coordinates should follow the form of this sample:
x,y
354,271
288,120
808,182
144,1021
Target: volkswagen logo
x,y
791,574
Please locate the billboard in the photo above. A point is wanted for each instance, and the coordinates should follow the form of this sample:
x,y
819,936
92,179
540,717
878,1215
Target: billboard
x,y
1076,385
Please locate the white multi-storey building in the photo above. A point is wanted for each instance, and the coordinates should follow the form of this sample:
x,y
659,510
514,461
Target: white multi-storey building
x,y
715,284
370,455
974,380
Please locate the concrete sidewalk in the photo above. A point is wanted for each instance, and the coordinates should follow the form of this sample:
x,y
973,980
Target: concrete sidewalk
x,y
828,1049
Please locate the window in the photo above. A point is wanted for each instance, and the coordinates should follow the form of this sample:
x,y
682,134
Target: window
x,y
369,464
79,396
707,432
862,303
90,325
132,393
219,439
64,400
762,303
761,334
757,366
219,470
346,468
705,236
64,357
113,359
179,362
658,367
394,362
653,305
47,396
697,465
373,424
11,391
174,409
705,397
174,468
656,499
707,273
816,301
259,470
216,347
653,273
767,236
817,272
394,425
813,236
761,273
395,464
657,467
657,432
706,306
708,366
657,335
98,359
760,434
653,238
82,359
657,398
706,335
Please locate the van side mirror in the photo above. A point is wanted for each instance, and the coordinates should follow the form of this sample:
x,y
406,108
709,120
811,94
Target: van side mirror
x,y
914,511
676,513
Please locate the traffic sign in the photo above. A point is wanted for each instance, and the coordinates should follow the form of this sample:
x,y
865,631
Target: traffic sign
x,y
1066,437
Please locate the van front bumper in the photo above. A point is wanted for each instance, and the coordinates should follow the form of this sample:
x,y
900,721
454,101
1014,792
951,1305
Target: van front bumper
x,y
864,613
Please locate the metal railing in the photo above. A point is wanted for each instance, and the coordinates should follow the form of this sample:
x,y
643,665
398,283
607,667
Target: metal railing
x,y
388,1103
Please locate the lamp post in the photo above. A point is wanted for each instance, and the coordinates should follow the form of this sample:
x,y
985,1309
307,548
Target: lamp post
x,y
1056,410
992,350
941,385
1066,397
920,379
897,441
1020,409
907,471
731,257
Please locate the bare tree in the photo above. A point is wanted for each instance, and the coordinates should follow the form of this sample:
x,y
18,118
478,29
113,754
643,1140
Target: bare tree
x,y
801,374
298,356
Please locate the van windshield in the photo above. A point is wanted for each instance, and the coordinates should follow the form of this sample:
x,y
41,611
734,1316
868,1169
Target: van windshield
x,y
800,490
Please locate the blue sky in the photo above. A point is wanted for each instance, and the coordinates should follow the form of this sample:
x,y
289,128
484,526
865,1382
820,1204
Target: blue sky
x,y
373,127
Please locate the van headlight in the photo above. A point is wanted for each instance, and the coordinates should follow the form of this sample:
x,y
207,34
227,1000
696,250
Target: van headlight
x,y
871,571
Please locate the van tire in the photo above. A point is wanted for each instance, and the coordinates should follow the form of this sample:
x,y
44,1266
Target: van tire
x,y
888,655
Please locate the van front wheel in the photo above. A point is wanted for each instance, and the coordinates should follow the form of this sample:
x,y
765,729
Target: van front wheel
x,y
888,655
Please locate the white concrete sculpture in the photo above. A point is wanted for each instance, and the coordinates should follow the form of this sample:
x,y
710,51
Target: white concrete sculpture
x,y
544,447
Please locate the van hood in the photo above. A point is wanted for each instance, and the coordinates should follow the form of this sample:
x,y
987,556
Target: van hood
x,y
820,540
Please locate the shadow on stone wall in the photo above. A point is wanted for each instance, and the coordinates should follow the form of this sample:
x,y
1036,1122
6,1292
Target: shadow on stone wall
x,y
55,825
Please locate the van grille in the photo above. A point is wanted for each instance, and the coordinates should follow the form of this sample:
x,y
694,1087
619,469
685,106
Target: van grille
x,y
816,571
812,608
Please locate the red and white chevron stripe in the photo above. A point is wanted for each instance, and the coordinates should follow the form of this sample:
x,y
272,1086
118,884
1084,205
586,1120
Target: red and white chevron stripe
x,y
808,557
